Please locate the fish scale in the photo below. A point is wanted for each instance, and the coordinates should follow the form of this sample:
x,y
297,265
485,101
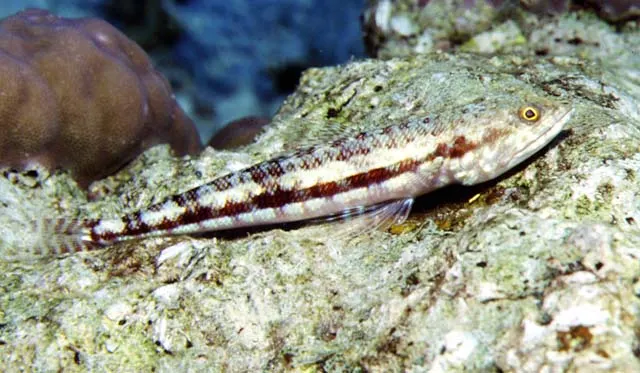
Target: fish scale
x,y
375,173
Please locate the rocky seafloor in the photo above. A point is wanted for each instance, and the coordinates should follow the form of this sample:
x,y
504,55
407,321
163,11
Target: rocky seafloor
x,y
538,270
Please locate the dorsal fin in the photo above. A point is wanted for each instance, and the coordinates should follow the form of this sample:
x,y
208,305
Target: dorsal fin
x,y
308,136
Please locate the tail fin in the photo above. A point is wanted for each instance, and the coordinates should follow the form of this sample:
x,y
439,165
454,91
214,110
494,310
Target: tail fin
x,y
69,236
61,236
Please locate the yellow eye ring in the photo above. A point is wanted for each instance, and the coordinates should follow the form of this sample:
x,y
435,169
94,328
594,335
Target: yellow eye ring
x,y
529,113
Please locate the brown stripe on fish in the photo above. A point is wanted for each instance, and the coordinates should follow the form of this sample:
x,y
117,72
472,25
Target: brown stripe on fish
x,y
274,197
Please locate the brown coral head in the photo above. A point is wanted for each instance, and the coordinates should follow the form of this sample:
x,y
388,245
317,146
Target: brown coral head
x,y
78,94
239,132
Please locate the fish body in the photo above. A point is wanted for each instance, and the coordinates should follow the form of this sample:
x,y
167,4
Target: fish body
x,y
379,171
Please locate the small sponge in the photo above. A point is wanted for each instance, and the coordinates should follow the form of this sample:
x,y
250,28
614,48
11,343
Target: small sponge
x,y
79,95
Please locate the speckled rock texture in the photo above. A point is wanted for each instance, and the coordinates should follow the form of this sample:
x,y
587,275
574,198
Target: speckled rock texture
x,y
536,271
79,95
536,27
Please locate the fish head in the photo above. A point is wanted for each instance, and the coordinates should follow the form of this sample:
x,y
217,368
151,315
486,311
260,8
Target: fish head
x,y
493,136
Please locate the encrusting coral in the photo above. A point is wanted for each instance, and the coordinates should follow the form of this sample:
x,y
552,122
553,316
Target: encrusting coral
x,y
77,94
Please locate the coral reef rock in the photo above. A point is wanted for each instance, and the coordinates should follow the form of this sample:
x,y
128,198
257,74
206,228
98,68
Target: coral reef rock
x,y
406,27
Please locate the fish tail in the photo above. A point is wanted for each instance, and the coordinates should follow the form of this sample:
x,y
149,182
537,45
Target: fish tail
x,y
62,236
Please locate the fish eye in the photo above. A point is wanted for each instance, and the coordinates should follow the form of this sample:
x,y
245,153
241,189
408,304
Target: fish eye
x,y
529,113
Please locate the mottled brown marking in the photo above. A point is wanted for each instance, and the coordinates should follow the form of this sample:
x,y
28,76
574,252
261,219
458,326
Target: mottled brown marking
x,y
305,151
392,143
290,167
318,159
460,147
344,154
275,170
442,150
306,164
264,172
106,236
91,224
134,223
577,338
276,197
348,152
339,143
257,174
183,199
220,184
492,135
190,216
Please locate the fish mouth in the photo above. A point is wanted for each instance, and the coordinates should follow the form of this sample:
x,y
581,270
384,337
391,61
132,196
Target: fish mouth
x,y
558,120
